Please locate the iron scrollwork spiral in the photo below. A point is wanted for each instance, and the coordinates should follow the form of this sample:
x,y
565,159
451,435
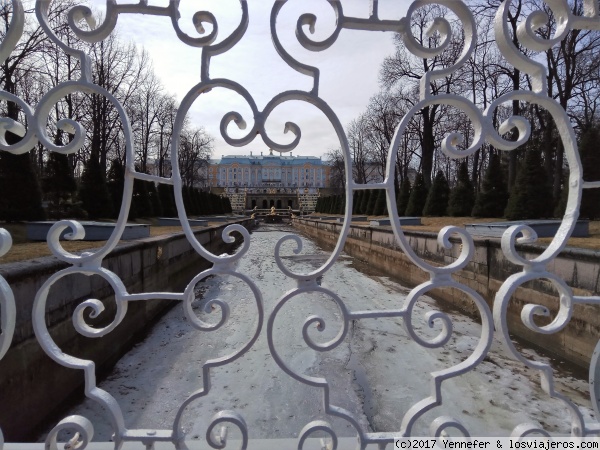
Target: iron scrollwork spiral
x,y
34,130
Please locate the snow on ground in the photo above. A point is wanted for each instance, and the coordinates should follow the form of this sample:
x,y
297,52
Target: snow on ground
x,y
377,372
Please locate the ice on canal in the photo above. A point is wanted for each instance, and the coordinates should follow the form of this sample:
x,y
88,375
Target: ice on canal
x,y
377,372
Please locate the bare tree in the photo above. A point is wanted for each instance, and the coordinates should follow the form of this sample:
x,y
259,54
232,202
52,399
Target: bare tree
x,y
571,65
194,154
382,117
120,70
145,107
360,150
165,123
19,75
337,177
405,68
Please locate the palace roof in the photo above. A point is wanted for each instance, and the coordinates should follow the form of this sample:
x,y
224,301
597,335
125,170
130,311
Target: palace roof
x,y
269,160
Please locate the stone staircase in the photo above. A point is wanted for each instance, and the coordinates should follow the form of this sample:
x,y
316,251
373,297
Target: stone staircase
x,y
307,202
238,200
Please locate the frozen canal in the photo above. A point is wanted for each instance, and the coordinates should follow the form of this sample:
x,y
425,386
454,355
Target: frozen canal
x,y
377,373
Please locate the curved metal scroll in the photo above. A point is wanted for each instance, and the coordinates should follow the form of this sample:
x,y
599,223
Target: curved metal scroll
x,y
33,130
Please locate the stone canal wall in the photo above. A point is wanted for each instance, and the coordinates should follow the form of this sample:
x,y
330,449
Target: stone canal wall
x,y
485,273
34,383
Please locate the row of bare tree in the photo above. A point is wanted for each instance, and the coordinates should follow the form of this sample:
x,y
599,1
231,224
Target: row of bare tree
x,y
573,80
124,71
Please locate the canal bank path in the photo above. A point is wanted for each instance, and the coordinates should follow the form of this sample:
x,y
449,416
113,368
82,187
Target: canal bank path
x,y
377,372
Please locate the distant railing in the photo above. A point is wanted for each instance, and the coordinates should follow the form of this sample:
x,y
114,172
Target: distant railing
x,y
513,132
266,212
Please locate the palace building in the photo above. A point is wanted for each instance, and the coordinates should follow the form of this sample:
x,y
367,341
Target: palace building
x,y
263,181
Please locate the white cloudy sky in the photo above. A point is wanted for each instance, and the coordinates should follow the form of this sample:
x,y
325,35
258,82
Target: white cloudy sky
x,y
349,69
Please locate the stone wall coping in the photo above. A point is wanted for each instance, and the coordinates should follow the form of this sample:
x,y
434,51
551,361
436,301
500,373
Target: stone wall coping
x,y
583,254
15,271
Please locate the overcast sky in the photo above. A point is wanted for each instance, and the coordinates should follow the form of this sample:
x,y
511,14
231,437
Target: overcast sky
x,y
349,69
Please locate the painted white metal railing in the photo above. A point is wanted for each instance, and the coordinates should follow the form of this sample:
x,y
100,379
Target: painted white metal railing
x,y
439,277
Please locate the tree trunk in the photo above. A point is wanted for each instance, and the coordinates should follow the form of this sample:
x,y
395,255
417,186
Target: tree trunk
x,y
512,156
428,146
21,194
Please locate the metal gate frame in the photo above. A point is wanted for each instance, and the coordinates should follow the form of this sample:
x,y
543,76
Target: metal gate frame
x,y
439,277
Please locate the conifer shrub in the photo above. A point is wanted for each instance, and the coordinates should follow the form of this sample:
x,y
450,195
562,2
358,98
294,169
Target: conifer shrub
x,y
418,197
462,197
194,206
93,190
216,205
141,206
380,203
225,205
187,203
157,209
364,203
372,202
21,197
59,186
403,197
331,204
167,200
530,197
561,206
325,205
340,204
203,203
355,201
590,159
438,196
491,199
115,183
199,202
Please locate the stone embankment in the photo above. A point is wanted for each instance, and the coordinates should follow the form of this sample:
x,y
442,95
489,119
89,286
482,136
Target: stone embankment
x,y
32,382
486,272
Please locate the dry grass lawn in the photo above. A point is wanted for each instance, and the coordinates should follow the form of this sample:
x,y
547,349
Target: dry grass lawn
x,y
23,249
435,224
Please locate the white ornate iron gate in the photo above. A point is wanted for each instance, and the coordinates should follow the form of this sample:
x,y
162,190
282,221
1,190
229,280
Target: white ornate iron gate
x,y
439,277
